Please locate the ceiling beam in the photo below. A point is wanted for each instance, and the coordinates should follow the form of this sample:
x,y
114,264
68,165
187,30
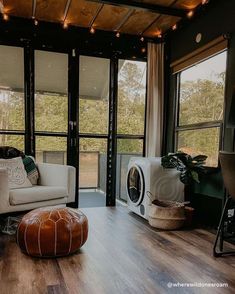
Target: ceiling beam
x,y
66,9
34,5
149,26
1,7
124,20
145,6
96,15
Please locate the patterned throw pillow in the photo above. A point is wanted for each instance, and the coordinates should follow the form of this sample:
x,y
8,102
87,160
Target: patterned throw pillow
x,y
31,169
17,175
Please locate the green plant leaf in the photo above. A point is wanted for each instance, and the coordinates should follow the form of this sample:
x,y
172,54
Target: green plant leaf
x,y
168,161
190,167
186,177
195,176
200,158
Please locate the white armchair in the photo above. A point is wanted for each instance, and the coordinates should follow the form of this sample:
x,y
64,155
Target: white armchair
x,y
56,186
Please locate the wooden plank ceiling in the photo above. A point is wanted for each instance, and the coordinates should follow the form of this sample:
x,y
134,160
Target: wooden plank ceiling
x,y
101,15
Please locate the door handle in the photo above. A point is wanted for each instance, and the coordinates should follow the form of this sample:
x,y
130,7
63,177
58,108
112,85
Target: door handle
x,y
72,124
73,142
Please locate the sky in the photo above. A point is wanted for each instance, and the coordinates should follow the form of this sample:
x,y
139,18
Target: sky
x,y
206,69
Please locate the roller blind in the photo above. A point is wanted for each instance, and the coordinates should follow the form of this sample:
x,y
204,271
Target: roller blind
x,y
11,68
202,53
51,72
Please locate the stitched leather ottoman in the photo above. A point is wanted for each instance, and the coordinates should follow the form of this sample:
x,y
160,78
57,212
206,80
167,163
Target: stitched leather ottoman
x,y
52,232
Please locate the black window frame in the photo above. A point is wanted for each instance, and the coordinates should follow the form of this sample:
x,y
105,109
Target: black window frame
x,y
30,46
202,125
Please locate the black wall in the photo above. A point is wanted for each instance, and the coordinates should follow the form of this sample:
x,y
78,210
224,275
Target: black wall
x,y
215,20
219,19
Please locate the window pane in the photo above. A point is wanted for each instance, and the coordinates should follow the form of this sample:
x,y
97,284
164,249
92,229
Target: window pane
x,y
51,84
51,149
131,97
126,148
132,146
93,95
202,91
92,163
16,141
11,88
202,141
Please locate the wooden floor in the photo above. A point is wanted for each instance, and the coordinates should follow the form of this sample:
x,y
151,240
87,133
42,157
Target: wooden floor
x,y
122,255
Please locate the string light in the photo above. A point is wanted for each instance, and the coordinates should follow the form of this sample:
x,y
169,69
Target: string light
x,y
190,14
92,30
65,25
159,34
118,35
1,7
5,16
143,50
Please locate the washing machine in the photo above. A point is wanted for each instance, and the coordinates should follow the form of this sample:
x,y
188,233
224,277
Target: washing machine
x,y
146,174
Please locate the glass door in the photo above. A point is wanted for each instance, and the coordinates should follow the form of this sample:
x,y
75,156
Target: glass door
x,y
93,129
130,119
51,106
12,101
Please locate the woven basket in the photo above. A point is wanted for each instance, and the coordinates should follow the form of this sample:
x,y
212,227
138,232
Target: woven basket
x,y
166,215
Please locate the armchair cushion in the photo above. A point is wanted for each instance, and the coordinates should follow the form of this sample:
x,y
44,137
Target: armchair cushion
x,y
58,175
57,185
36,194
17,176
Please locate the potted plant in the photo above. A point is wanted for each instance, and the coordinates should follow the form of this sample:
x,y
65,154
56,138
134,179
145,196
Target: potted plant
x,y
191,168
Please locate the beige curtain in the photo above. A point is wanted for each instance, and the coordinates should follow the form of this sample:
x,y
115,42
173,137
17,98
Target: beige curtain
x,y
155,96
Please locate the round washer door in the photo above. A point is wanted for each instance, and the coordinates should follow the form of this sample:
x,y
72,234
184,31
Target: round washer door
x,y
135,185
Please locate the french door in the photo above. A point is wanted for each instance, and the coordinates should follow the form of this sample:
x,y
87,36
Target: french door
x,y
68,108
51,107
71,114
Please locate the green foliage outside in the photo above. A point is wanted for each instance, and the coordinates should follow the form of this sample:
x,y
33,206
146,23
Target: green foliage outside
x,y
93,114
131,100
12,117
51,115
201,101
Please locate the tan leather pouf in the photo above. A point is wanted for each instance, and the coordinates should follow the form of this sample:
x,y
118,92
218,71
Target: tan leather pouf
x,y
52,232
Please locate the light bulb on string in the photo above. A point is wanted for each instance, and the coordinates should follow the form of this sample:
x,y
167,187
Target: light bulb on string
x,y
5,17
92,30
190,14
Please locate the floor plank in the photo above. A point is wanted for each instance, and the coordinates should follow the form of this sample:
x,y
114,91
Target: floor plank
x,y
123,254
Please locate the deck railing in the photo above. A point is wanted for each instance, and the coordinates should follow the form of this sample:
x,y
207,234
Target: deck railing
x,y
92,169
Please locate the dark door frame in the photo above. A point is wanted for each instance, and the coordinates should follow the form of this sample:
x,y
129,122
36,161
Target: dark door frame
x,y
73,111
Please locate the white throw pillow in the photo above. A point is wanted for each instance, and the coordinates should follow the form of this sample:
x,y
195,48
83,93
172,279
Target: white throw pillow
x,y
17,176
